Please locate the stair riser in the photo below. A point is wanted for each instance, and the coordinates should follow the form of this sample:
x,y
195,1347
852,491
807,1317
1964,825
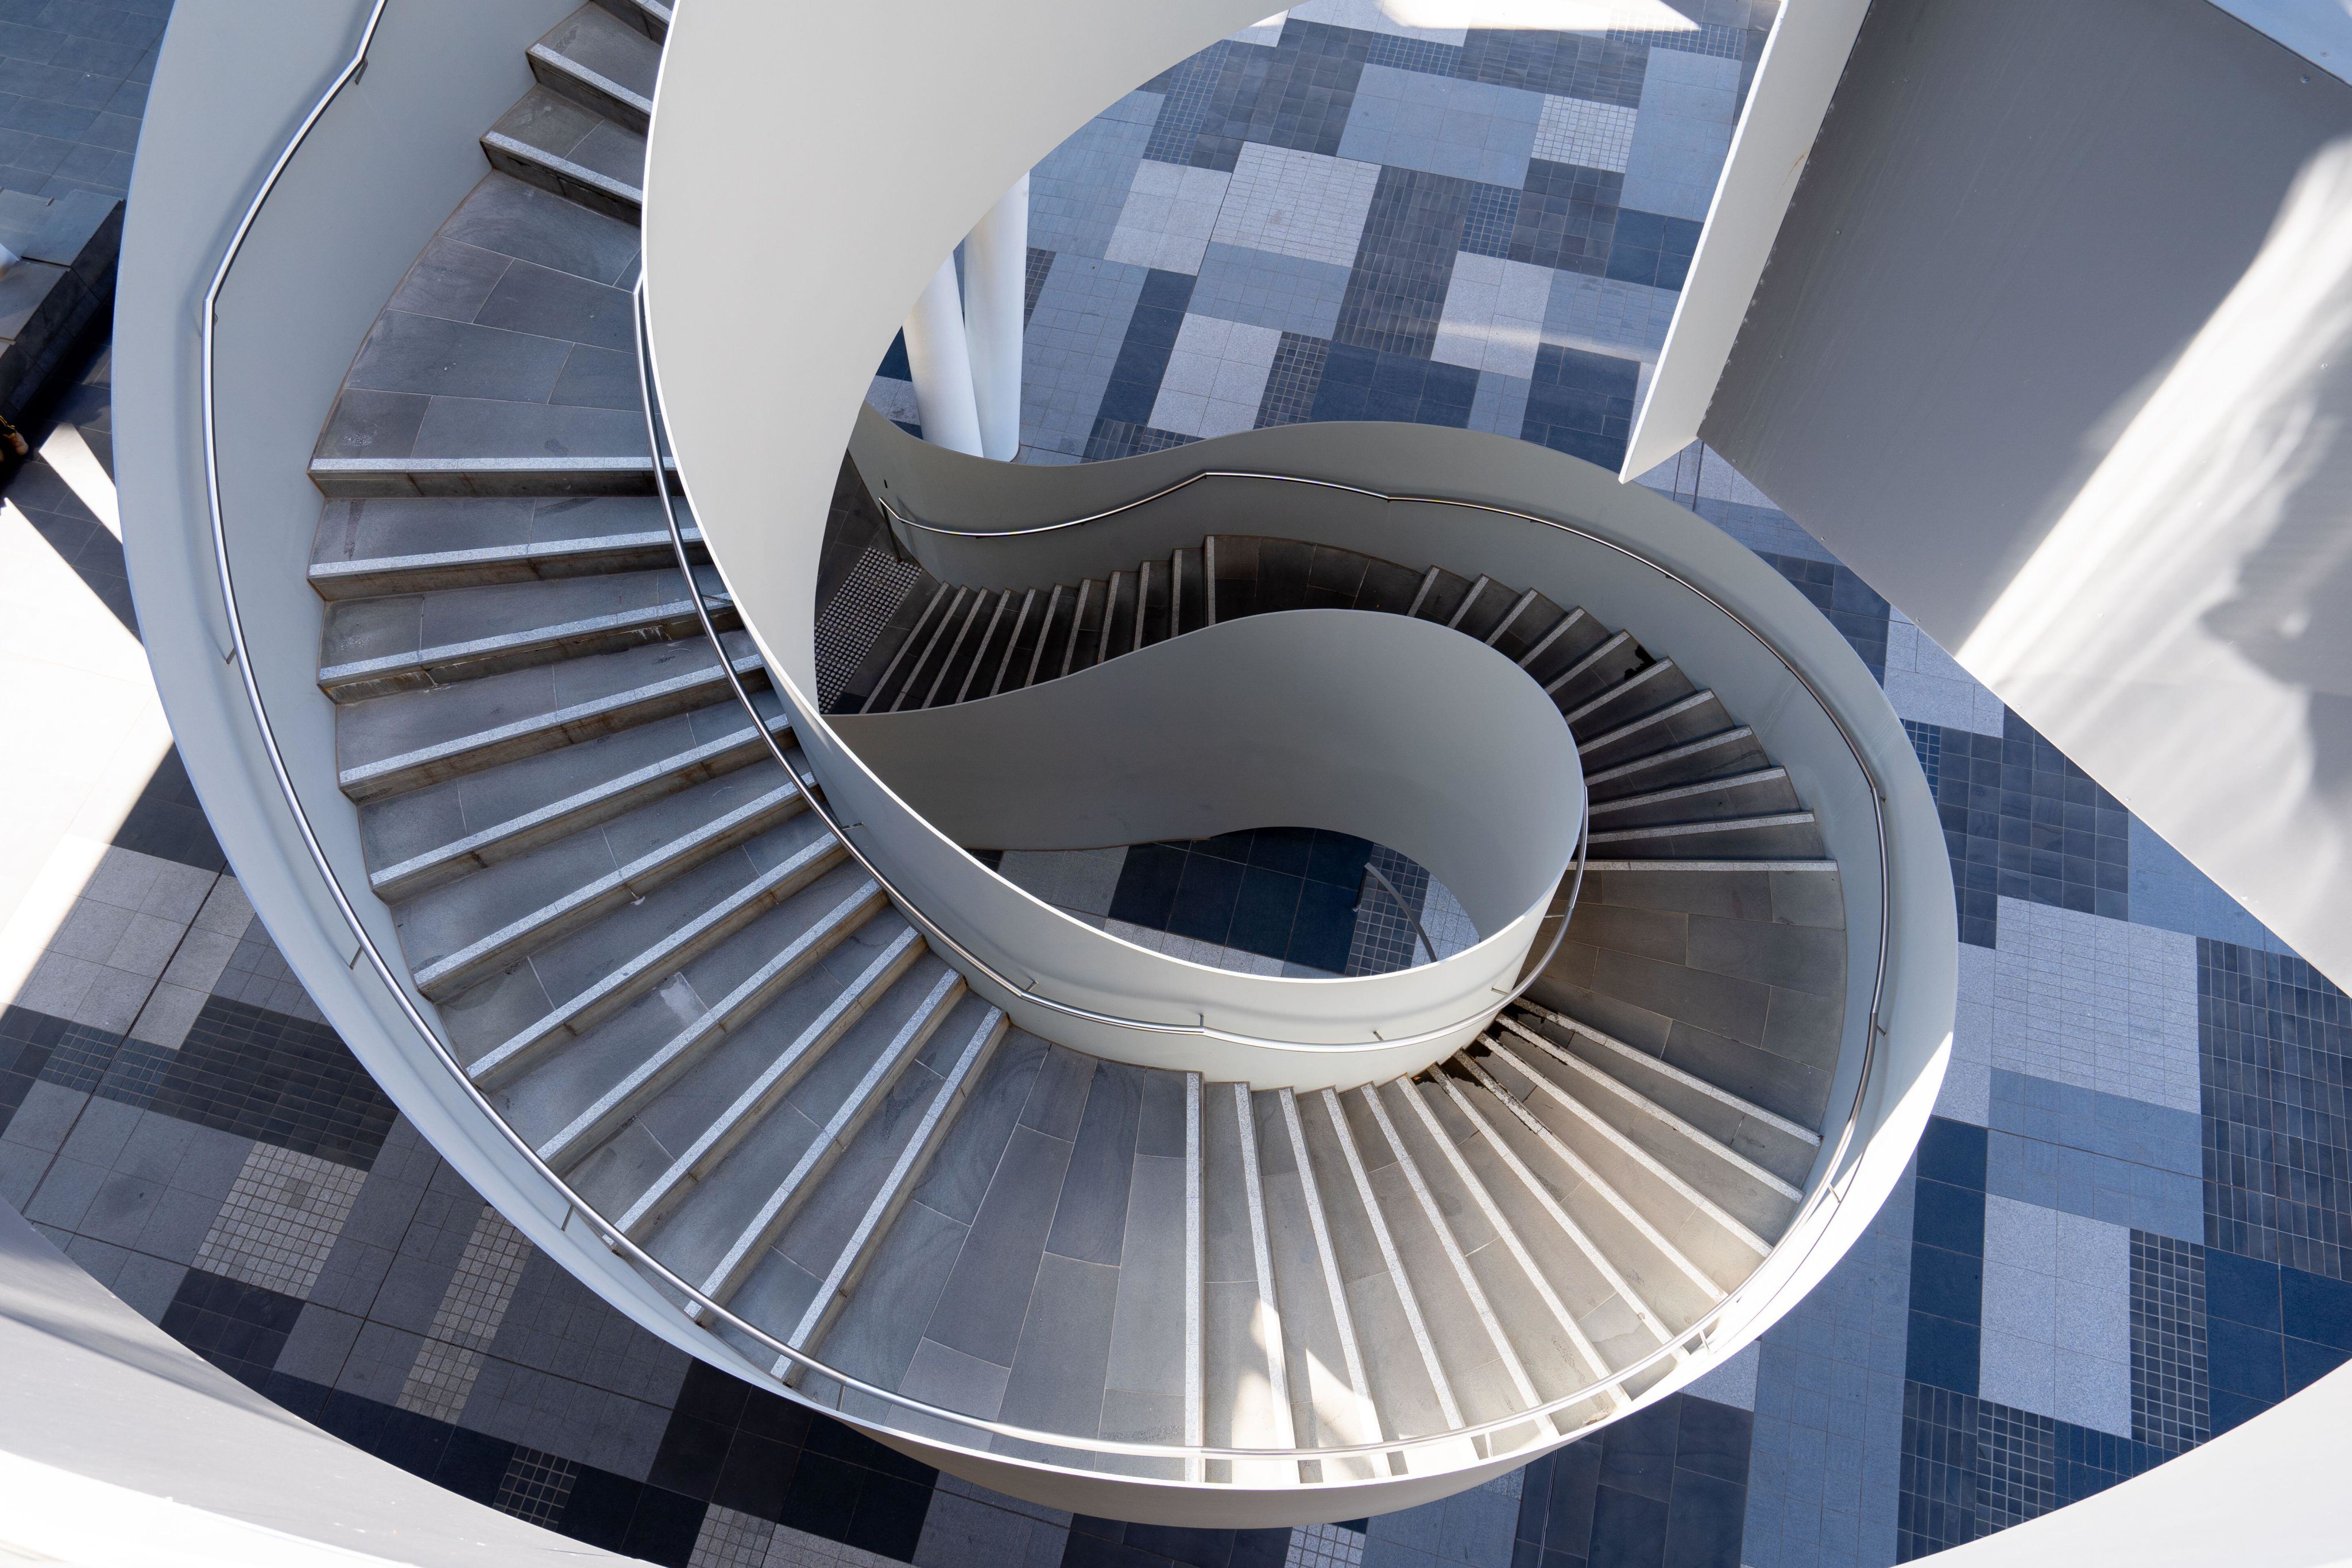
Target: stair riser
x,y
1791,842
446,984
565,179
546,831
654,23
611,721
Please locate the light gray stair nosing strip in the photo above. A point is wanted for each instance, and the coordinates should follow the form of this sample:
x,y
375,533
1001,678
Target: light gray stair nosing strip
x,y
964,633
1368,1415
1428,581
1672,710
833,1138
1606,646
1077,617
1694,1135
1454,622
1012,641
1209,579
1594,1254
677,1050
1142,604
571,805
1706,825
718,1139
1559,1150
916,671
1560,629
902,1172
1672,862
619,189
805,862
1469,1178
1518,608
1196,1346
1671,754
980,653
1611,1134
1277,1372
493,555
1044,635
1688,1080
482,948
1176,593
899,654
1684,791
1632,683
1464,1274
1110,614
584,75
422,658
1439,1383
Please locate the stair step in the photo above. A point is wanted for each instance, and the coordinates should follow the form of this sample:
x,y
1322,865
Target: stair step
x,y
601,63
1726,797
1695,1136
560,145
456,934
1791,834
413,642
1647,1063
896,1185
651,17
736,1211
1722,753
764,1094
1657,682
1331,1394
539,800
1670,863
703,1032
409,739
1596,665
1247,1399
368,547
727,900
551,474
1690,718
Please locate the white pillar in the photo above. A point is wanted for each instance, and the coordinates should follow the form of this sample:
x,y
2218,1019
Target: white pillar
x,y
940,359
995,279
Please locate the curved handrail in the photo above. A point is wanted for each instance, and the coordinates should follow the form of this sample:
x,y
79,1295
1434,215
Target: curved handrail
x,y
699,1306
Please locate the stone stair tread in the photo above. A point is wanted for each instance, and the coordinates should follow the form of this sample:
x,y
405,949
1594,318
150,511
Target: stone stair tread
x,y
396,546
405,641
589,158
406,740
595,56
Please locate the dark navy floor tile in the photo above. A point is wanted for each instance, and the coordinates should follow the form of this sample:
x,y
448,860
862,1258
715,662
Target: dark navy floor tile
x,y
2307,1362
600,1509
1205,897
1943,1354
1953,1152
889,1518
1714,1439
2232,1410
1629,1531
473,1465
168,822
823,1497
1265,912
1637,1454
416,1443
1339,858
1705,1520
665,1528
2316,1307
1952,1217
2241,1290
692,1456
1946,1285
1234,847
2245,1359
1147,885
1283,849
1568,1511
756,1477
1325,928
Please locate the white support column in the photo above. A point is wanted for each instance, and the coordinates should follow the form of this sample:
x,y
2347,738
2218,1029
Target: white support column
x,y
995,276
940,359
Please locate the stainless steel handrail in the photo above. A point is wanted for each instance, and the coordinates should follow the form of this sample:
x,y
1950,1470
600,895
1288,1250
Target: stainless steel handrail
x,y
712,1311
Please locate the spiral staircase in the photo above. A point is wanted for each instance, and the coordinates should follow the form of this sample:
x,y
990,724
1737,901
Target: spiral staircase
x,y
666,979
